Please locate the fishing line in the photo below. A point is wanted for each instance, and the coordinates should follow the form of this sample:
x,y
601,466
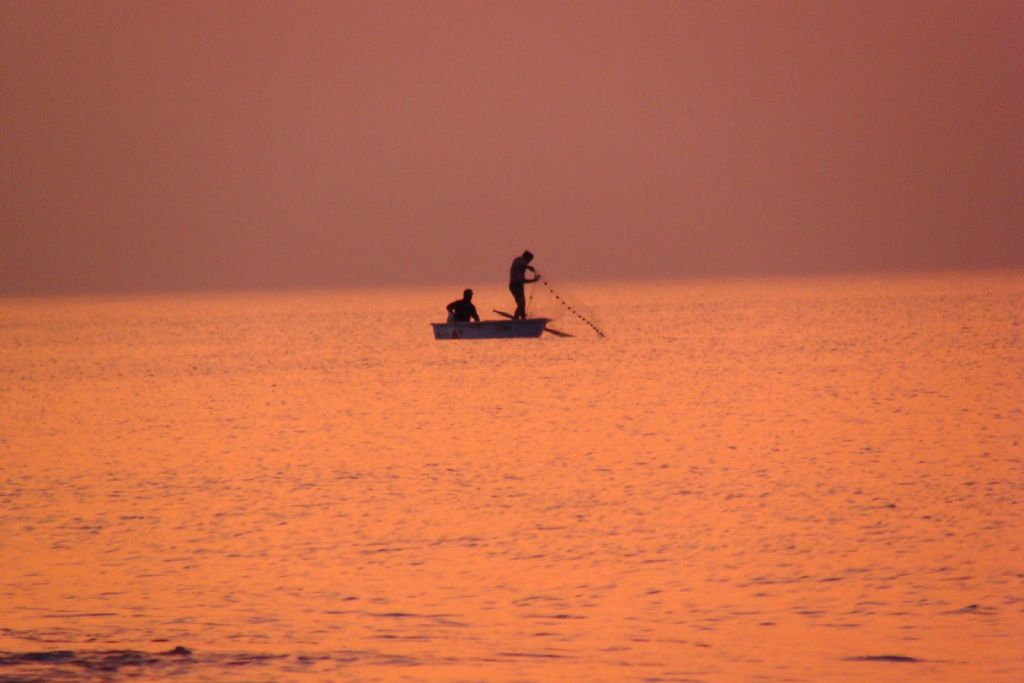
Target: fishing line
x,y
571,309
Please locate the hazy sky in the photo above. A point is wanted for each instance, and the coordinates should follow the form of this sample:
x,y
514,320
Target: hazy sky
x,y
156,145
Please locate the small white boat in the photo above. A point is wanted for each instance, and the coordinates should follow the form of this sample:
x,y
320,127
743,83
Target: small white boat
x,y
491,329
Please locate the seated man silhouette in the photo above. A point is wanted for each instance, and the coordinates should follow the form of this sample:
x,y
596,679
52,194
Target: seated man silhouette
x,y
461,310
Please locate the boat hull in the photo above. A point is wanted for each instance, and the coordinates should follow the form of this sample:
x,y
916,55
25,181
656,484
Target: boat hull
x,y
491,329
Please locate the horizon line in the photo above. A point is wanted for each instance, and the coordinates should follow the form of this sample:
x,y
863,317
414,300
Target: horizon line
x,y
865,273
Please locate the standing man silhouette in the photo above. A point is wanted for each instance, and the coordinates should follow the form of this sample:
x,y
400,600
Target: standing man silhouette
x,y
517,282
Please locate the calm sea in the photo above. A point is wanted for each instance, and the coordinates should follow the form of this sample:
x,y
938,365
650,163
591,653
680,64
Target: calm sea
x,y
759,480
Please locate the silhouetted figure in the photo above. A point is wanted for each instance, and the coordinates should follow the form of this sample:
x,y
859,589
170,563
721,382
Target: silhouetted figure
x,y
461,310
517,282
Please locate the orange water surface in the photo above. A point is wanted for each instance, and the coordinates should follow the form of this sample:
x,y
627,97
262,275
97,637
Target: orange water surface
x,y
758,480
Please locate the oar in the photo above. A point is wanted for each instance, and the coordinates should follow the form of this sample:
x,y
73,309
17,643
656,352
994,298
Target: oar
x,y
557,333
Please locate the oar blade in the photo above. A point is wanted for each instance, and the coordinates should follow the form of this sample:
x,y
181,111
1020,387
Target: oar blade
x,y
557,333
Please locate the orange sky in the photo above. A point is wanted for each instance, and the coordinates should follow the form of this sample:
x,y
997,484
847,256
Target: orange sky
x,y
187,145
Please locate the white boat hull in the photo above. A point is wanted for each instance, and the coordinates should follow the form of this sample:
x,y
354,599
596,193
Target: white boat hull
x,y
491,329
